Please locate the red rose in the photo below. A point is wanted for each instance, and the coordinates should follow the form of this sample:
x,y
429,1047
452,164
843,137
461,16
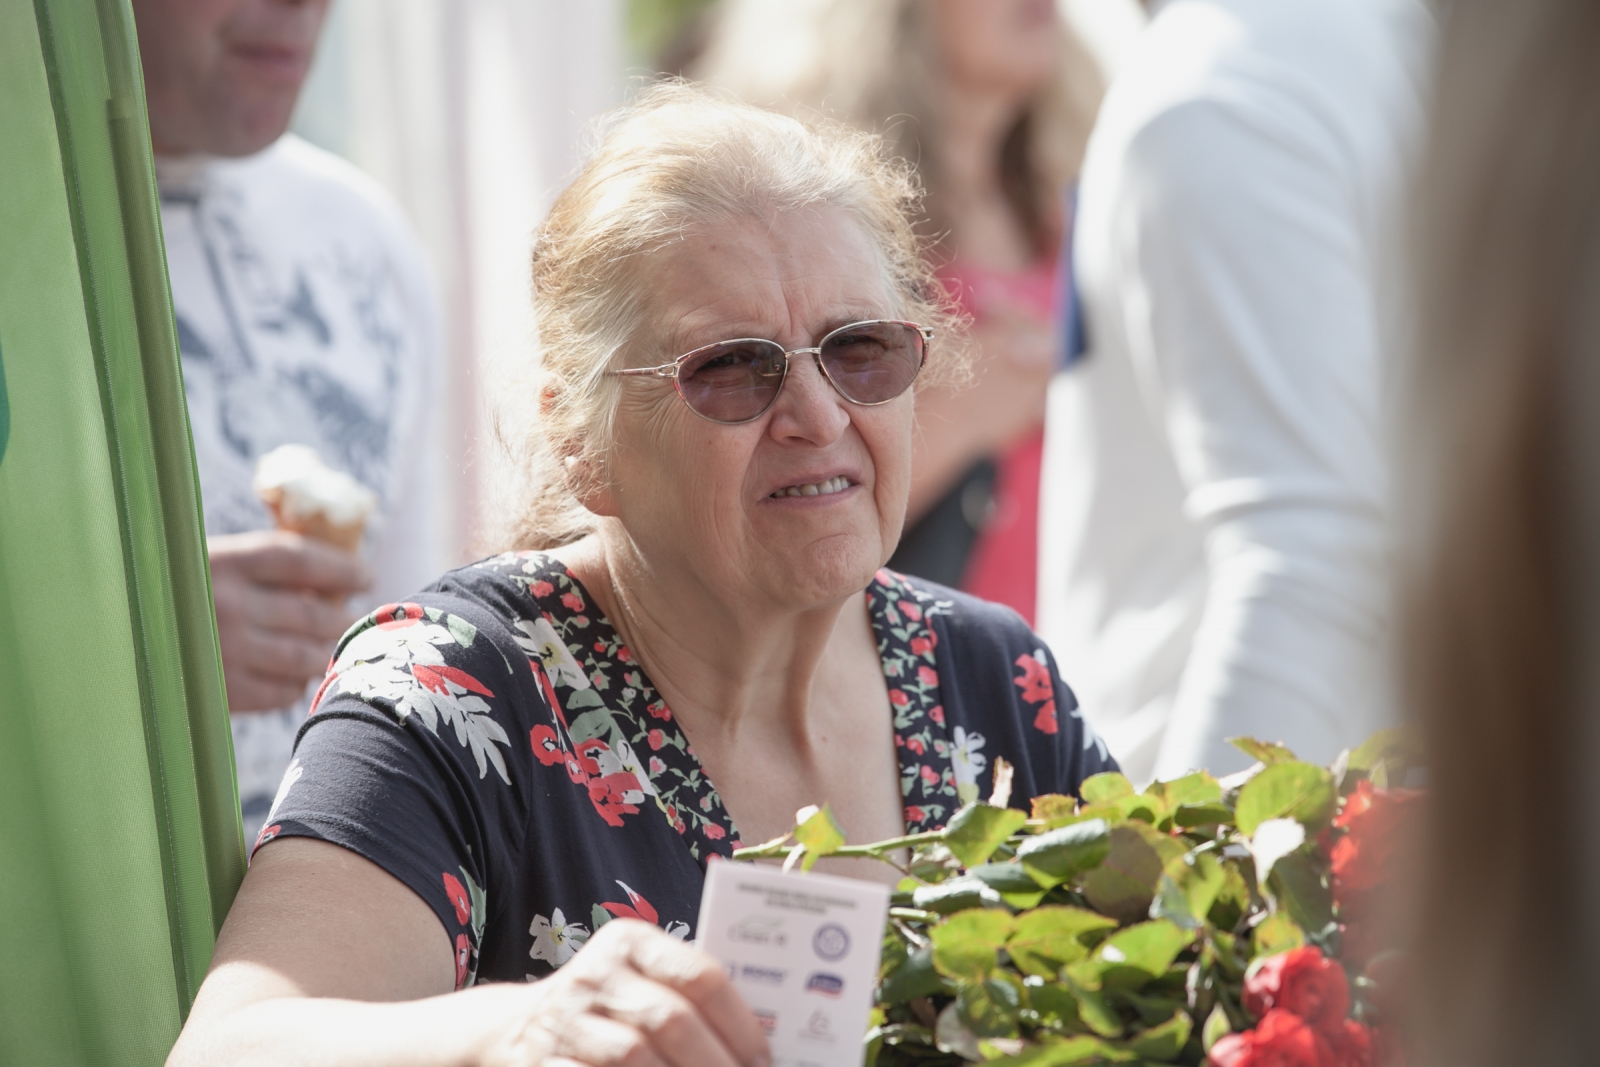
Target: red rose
x,y
1302,981
458,898
1282,1039
656,739
1351,1044
1373,821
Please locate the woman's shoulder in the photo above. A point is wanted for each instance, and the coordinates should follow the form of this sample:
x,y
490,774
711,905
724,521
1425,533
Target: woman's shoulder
x,y
964,616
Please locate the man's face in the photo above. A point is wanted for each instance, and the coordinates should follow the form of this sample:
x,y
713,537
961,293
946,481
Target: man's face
x,y
221,76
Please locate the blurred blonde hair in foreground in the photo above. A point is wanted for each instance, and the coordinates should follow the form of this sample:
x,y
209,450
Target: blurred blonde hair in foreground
x,y
1503,594
874,64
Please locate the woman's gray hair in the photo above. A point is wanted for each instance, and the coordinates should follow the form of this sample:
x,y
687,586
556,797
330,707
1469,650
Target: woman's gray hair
x,y
673,161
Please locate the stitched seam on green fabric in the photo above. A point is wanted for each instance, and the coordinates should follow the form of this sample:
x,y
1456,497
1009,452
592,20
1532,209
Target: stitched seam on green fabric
x,y
5,409
96,325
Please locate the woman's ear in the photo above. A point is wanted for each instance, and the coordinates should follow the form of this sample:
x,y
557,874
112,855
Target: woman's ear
x,y
586,481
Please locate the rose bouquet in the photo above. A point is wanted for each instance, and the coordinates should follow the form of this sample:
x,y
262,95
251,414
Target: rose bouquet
x,y
1230,922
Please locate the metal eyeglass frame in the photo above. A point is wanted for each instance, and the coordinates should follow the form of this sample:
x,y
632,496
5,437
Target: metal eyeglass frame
x,y
673,369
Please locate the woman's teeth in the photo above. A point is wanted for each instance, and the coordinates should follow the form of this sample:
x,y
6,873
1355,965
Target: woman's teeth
x,y
832,485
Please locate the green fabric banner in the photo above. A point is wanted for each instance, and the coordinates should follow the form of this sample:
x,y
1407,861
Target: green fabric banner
x,y
120,843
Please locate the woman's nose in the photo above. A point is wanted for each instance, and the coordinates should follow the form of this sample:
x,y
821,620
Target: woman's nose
x,y
809,408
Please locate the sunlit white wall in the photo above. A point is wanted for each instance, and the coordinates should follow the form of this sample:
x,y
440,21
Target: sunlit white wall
x,y
470,112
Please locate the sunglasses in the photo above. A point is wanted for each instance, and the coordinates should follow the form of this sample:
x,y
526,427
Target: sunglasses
x,y
730,382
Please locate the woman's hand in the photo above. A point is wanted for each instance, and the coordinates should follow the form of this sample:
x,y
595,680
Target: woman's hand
x,y
635,997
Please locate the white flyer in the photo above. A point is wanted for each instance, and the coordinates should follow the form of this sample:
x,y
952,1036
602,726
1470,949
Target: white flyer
x,y
802,949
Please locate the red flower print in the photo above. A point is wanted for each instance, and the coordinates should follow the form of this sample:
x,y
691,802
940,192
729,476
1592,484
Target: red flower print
x,y
545,684
1281,1040
398,616
585,758
656,766
541,588
1045,721
573,601
930,776
713,831
898,699
434,678
914,815
623,655
546,746
636,908
656,739
915,744
1034,681
927,676
600,646
607,795
458,897
936,713
1303,981
913,612
267,834
658,710
463,954
922,646
598,680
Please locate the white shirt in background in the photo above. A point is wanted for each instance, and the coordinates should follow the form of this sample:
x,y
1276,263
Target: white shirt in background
x,y
1214,544
305,315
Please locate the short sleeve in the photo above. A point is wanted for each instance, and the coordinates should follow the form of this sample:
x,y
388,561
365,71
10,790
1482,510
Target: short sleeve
x,y
407,760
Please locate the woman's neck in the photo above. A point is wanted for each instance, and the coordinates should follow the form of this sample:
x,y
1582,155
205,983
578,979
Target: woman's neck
x,y
724,669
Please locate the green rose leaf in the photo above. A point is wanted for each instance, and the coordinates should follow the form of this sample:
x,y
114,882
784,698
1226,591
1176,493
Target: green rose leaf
x,y
1056,855
1211,813
1277,933
1053,1001
978,829
1163,1043
1055,809
1046,939
1080,1050
1125,882
1105,788
1093,1010
966,945
819,832
1131,958
1292,790
1382,747
1188,888
1196,788
989,1008
1217,1026
915,977
1267,752
1298,883
1012,881
958,894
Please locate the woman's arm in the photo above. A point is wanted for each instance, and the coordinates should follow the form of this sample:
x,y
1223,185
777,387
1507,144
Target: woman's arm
x,y
325,958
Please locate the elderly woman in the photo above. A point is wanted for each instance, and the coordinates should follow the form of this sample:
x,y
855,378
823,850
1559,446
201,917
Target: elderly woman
x,y
539,754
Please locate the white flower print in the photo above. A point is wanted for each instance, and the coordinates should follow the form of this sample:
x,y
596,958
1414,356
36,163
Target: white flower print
x,y
619,759
555,941
401,662
543,641
290,777
678,929
967,762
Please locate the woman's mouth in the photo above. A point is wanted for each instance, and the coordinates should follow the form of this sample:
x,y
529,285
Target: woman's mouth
x,y
837,484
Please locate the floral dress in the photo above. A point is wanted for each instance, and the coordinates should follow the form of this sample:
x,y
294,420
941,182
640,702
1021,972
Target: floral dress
x,y
494,745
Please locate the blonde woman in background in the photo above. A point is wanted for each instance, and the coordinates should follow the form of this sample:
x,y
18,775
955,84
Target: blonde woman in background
x,y
1503,476
993,101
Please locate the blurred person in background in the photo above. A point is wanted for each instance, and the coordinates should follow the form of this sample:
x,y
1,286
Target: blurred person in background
x,y
1215,546
305,315
1502,549
992,100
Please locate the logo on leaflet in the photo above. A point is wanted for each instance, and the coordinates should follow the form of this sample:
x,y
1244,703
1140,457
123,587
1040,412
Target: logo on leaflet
x,y
759,930
831,942
761,975
767,1019
829,985
818,1028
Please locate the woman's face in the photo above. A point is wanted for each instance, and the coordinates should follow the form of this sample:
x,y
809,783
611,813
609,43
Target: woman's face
x,y
707,499
1007,46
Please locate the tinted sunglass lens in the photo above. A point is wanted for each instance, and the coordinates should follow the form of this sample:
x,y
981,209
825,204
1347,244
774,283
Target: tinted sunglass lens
x,y
733,382
873,362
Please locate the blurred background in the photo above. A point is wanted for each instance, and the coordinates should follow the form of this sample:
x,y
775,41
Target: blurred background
x,y
471,113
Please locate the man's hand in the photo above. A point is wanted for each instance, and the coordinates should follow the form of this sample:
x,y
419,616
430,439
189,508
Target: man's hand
x,y
280,608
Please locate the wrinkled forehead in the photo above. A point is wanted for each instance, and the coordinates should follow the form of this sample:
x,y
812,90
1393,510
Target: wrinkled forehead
x,y
786,276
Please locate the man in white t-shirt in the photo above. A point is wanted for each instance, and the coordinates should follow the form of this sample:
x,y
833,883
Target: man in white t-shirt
x,y
1214,544
305,316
